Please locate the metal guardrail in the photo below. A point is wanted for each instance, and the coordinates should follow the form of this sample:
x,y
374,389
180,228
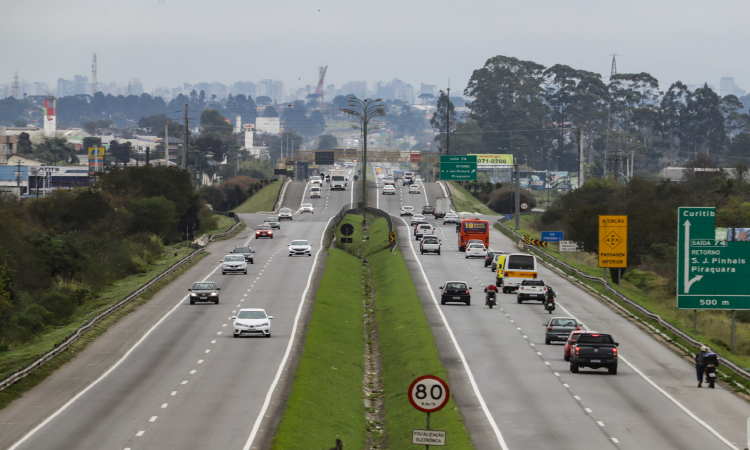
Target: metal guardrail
x,y
277,205
234,227
742,373
73,337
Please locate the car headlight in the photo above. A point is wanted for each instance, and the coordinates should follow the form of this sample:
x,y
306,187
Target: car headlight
x,y
264,324
193,295
214,294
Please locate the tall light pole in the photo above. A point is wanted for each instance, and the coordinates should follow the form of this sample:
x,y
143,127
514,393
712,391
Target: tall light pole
x,y
364,111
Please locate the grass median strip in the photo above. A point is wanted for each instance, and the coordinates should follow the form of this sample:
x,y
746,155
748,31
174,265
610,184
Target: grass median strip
x,y
263,200
327,399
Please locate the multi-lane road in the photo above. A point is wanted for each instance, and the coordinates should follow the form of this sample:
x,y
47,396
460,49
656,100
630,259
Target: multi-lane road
x,y
170,375
516,392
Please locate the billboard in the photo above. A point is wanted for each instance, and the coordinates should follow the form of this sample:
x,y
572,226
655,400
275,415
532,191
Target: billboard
x,y
96,159
270,125
493,160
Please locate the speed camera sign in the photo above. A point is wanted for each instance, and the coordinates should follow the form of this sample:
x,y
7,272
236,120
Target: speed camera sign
x,y
429,393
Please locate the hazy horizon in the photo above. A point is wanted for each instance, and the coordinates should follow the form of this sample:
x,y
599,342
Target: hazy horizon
x,y
166,44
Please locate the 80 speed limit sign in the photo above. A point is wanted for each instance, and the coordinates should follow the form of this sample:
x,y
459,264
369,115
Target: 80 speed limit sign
x,y
429,393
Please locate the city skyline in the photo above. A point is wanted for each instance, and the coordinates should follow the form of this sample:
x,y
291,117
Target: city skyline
x,y
287,42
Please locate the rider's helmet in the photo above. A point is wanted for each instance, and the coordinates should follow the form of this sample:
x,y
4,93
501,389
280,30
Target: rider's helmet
x,y
705,348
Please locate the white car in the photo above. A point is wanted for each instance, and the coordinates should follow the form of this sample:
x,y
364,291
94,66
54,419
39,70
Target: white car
x,y
389,189
407,210
418,180
418,218
306,207
252,321
476,251
451,218
300,247
233,264
285,213
423,229
414,189
389,181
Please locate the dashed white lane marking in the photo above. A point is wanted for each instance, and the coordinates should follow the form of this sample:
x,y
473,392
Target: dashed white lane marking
x,y
219,332
588,410
173,393
214,341
140,433
601,424
208,350
152,419
184,382
223,325
615,440
164,405
192,371
200,361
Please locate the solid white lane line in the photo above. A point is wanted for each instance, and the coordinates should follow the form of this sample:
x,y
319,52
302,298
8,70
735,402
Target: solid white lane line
x,y
110,370
469,373
666,394
284,360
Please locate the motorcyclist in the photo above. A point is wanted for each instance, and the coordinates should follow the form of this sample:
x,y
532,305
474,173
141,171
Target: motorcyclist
x,y
701,362
549,296
487,290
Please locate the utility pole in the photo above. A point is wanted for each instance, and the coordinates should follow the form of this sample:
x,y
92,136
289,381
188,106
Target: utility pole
x,y
185,140
166,142
518,198
581,160
448,124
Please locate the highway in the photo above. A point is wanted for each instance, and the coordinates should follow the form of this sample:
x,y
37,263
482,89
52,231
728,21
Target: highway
x,y
170,375
515,392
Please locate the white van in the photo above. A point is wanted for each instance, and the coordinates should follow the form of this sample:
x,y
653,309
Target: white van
x,y
518,267
315,181
315,191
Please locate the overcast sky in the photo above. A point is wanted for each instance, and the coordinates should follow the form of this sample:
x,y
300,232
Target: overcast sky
x,y
168,42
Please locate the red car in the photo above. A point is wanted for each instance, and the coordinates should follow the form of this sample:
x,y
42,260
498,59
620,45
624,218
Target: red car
x,y
571,342
263,231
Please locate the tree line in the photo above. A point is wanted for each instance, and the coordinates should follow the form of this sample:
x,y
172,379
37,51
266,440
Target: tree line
x,y
532,111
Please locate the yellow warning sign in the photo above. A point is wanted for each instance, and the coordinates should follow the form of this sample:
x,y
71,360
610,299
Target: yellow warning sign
x,y
613,241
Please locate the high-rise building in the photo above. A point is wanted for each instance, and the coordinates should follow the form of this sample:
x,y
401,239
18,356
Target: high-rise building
x,y
38,88
274,89
80,85
396,90
65,88
358,88
136,87
245,88
727,87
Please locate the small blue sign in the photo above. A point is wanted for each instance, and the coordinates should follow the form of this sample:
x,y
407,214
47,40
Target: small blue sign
x,y
552,236
507,217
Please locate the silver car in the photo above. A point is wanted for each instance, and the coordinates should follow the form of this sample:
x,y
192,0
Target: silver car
x,y
418,218
233,264
285,214
451,218
252,321
274,222
559,328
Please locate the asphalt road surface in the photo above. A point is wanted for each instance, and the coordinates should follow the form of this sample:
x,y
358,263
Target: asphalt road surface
x,y
516,392
170,375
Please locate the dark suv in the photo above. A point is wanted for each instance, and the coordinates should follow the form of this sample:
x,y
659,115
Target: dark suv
x,y
428,210
455,291
247,252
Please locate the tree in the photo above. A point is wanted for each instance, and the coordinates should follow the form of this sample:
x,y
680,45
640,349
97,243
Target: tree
x,y
444,113
263,100
740,145
212,122
672,122
270,111
426,98
155,215
706,122
327,142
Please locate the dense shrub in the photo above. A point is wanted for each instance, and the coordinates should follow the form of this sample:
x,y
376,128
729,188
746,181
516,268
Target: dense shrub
x,y
503,200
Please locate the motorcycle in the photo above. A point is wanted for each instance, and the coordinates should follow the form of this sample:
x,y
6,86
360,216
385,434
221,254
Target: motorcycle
x,y
549,305
491,299
710,375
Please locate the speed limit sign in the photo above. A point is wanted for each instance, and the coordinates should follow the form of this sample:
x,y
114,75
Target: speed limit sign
x,y
524,206
429,393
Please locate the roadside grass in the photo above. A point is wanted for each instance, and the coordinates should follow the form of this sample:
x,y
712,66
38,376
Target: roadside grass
x,y
223,223
242,227
465,202
262,201
326,398
378,235
408,351
14,360
652,292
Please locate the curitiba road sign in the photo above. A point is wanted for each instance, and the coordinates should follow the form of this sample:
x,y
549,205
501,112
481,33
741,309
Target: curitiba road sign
x,y
711,273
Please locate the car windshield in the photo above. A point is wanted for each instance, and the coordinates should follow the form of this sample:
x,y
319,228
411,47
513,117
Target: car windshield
x,y
300,243
426,226
477,246
532,283
418,216
430,240
203,286
242,250
252,315
408,207
272,219
451,215
234,258
455,286
285,210
563,323
307,205
414,186
264,227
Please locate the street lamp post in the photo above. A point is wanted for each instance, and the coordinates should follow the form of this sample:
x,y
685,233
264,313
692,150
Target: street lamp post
x,y
364,111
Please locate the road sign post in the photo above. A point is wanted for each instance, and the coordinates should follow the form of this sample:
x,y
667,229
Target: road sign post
x,y
613,243
458,167
711,273
428,394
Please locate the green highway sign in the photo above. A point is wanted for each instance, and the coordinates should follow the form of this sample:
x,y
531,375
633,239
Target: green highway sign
x,y
458,167
711,273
